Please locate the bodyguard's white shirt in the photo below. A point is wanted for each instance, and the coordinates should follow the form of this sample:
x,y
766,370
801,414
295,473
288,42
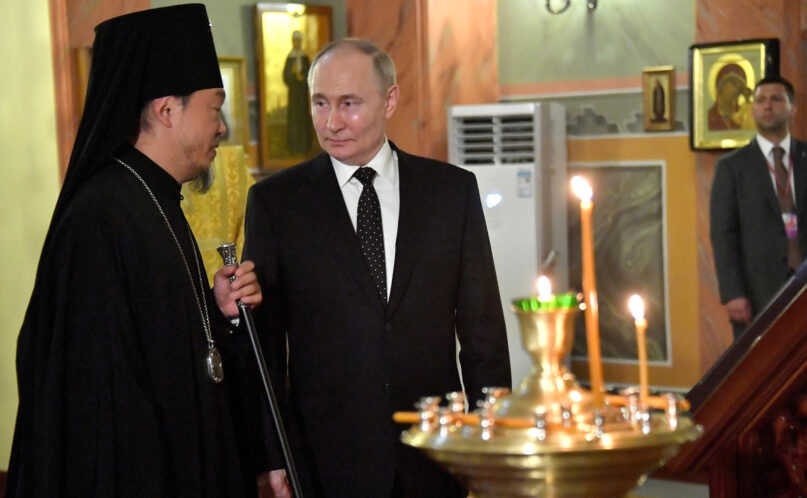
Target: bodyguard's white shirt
x,y
386,185
767,150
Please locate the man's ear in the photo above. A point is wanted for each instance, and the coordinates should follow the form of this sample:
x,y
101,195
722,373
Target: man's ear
x,y
163,110
391,101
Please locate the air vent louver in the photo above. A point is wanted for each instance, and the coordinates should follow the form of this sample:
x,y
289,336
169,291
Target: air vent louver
x,y
495,139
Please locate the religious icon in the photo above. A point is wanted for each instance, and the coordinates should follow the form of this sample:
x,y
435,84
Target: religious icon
x,y
298,113
82,57
659,98
731,94
234,111
722,79
288,36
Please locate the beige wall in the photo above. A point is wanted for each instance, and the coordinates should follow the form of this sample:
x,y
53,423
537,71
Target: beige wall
x,y
29,178
580,50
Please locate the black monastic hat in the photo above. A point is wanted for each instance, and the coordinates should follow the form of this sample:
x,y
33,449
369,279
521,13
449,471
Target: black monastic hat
x,y
174,52
136,58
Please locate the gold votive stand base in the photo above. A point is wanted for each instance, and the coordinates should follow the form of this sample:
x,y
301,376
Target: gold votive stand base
x,y
549,438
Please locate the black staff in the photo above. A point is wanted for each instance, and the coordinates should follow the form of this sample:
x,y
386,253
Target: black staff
x,y
227,252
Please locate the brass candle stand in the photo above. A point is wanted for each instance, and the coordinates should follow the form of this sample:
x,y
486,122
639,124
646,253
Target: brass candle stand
x,y
551,438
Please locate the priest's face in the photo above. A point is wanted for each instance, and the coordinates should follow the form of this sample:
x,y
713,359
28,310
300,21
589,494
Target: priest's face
x,y
348,108
200,129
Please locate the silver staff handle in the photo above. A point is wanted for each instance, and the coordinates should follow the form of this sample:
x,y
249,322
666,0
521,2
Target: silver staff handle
x,y
228,255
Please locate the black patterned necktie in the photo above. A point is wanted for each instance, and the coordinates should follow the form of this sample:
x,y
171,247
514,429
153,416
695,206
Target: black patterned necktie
x,y
368,228
786,203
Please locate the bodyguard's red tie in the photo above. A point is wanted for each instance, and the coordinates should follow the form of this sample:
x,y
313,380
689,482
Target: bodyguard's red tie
x,y
368,228
786,205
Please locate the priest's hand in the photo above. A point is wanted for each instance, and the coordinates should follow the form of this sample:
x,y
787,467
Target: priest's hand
x,y
245,287
273,484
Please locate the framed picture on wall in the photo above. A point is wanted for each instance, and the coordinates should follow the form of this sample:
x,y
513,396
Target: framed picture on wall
x,y
234,111
82,57
658,89
721,88
630,212
288,36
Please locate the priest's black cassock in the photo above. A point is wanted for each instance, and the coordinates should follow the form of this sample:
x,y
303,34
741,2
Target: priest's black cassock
x,y
114,395
115,399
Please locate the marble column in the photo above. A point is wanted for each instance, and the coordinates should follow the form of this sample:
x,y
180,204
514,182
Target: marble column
x,y
727,20
444,53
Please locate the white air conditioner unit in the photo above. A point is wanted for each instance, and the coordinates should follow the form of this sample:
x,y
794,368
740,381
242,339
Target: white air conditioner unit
x,y
518,153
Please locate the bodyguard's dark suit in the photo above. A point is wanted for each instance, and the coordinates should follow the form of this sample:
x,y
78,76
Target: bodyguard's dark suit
x,y
352,360
747,231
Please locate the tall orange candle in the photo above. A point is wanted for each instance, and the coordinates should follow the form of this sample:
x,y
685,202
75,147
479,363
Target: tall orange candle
x,y
636,306
583,191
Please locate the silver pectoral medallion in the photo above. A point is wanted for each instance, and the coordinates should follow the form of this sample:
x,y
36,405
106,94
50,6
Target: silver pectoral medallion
x,y
215,370
213,359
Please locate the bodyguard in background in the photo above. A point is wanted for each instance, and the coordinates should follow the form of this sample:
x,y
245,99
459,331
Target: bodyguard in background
x,y
758,207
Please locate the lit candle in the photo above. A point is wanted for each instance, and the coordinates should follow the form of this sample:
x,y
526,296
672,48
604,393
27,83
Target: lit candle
x,y
583,191
637,310
544,289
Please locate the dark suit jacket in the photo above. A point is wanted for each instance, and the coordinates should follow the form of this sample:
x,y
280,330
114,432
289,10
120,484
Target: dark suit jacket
x,y
747,231
353,361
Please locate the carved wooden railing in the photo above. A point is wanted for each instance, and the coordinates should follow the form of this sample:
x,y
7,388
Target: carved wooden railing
x,y
753,407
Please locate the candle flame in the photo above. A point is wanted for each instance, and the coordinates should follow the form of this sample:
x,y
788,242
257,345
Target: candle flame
x,y
295,9
581,189
544,289
636,306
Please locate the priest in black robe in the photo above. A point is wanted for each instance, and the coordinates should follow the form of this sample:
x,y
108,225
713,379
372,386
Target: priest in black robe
x,y
133,378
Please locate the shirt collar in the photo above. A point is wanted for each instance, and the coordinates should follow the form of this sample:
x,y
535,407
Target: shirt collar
x,y
767,146
382,163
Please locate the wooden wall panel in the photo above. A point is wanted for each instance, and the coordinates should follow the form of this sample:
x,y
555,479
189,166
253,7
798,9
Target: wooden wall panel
x,y
444,53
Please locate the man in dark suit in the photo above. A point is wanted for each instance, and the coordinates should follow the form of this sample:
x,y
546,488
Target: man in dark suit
x,y
757,208
373,263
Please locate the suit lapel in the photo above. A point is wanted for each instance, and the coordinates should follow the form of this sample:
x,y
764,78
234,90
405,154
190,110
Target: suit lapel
x,y
799,156
409,220
760,175
328,208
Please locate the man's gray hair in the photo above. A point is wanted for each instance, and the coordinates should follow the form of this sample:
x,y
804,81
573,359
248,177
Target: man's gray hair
x,y
383,66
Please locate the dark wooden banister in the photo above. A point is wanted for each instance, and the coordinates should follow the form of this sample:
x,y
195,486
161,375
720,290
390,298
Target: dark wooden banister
x,y
760,375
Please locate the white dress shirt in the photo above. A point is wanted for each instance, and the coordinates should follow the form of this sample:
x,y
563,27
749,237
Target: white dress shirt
x,y
767,150
385,163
